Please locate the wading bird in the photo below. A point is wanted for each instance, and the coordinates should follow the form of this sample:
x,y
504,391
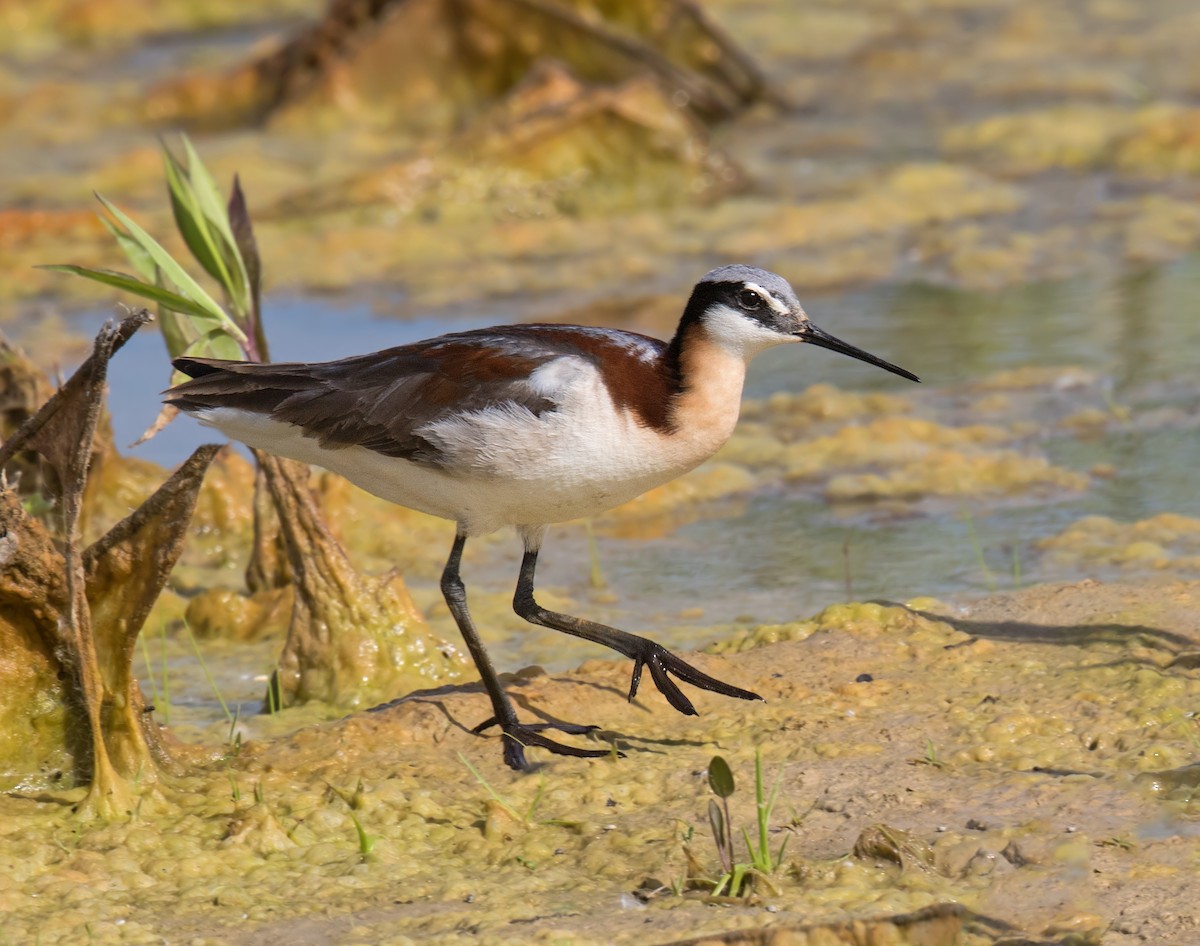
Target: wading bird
x,y
523,425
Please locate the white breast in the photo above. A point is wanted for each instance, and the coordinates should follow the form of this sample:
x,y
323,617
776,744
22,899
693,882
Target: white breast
x,y
506,466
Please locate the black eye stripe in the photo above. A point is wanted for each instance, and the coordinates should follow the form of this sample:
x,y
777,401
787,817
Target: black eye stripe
x,y
728,293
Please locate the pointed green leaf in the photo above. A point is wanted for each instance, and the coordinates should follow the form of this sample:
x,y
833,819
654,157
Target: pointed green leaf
x,y
190,220
138,258
126,283
720,778
177,329
212,205
174,273
208,195
754,855
782,848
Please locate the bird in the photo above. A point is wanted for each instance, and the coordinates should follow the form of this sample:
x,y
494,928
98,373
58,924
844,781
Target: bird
x,y
523,425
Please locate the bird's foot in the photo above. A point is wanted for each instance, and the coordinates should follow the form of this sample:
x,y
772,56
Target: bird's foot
x,y
518,736
574,729
662,662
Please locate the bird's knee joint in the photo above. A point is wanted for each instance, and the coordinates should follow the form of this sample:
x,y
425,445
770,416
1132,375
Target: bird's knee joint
x,y
526,607
453,588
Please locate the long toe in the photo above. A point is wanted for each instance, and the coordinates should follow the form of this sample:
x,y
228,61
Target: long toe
x,y
572,729
518,737
666,686
689,674
662,663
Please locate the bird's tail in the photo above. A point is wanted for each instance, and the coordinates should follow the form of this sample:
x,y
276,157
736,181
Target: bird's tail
x,y
245,385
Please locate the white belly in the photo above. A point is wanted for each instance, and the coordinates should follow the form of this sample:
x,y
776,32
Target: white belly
x,y
505,466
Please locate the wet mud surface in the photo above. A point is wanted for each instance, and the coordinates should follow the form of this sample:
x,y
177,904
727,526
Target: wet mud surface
x,y
1031,757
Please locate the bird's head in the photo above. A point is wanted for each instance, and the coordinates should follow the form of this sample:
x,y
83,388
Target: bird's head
x,y
747,310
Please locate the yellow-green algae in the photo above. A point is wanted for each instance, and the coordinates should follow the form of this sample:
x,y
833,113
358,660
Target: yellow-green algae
x,y
1159,139
910,196
883,453
44,27
1165,541
942,747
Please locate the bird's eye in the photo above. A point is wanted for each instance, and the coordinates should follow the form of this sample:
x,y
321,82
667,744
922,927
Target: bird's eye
x,y
749,299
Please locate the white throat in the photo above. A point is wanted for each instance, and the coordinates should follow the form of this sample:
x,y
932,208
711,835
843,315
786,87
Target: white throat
x,y
739,335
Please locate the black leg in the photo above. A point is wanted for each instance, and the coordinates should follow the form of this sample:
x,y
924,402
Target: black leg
x,y
643,652
515,736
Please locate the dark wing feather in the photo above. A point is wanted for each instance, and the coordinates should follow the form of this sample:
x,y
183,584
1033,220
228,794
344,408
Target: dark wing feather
x,y
381,401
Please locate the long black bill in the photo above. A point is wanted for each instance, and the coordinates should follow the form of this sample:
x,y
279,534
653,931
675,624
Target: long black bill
x,y
816,336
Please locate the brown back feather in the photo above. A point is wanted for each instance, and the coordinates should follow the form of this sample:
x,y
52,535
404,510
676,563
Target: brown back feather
x,y
380,401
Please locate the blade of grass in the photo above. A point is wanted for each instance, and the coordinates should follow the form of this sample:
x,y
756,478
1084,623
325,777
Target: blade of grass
x,y
191,221
178,332
166,673
273,694
491,791
212,205
365,841
765,806
763,810
138,258
208,674
988,577
132,284
174,273
154,698
237,716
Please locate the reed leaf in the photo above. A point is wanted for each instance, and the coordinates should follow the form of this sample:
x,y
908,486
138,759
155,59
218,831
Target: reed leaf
x,y
131,284
205,307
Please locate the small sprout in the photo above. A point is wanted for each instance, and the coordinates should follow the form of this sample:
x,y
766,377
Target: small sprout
x,y
274,696
508,809
735,876
366,843
977,547
166,673
212,682
930,757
